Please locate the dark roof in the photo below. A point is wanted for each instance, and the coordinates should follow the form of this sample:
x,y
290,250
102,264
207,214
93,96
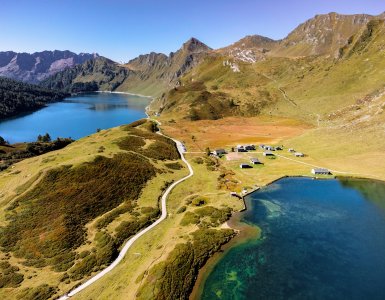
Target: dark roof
x,y
321,170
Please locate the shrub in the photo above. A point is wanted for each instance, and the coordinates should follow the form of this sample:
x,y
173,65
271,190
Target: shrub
x,y
215,216
189,218
42,292
83,267
181,209
198,160
50,218
199,201
112,215
161,148
131,143
175,277
174,166
9,276
134,124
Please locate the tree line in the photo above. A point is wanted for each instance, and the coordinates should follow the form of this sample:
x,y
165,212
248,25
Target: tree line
x,y
18,97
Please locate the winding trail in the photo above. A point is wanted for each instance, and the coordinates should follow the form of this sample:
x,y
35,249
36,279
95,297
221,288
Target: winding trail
x,y
131,241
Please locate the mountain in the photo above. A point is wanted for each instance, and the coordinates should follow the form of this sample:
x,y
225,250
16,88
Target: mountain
x,y
307,88
96,74
249,49
149,74
321,35
33,68
155,72
17,97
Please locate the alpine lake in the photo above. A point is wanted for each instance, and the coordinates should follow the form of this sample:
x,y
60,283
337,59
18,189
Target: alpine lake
x,y
319,239
75,117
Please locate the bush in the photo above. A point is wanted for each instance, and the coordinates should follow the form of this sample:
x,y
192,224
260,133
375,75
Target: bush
x,y
66,199
134,124
174,166
199,201
189,218
206,217
175,277
42,292
215,216
131,143
9,277
112,215
126,229
198,160
83,267
161,148
181,209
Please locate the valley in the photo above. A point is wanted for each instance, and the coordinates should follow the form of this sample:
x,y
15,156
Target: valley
x,y
65,215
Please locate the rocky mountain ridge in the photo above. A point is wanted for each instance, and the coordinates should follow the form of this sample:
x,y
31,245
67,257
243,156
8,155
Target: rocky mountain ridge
x,y
167,69
155,73
35,67
322,35
149,74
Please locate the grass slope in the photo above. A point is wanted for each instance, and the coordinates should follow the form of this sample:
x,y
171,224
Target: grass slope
x,y
65,214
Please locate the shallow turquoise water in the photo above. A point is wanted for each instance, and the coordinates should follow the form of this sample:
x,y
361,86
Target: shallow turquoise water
x,y
322,239
75,117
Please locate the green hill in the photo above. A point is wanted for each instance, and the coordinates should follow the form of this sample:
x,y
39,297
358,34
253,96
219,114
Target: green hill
x,y
65,214
308,88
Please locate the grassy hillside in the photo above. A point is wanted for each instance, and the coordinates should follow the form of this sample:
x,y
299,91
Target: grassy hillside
x,y
96,74
65,214
149,74
308,88
321,35
330,108
157,72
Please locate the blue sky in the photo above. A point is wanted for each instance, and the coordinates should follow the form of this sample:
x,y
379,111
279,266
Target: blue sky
x,y
121,30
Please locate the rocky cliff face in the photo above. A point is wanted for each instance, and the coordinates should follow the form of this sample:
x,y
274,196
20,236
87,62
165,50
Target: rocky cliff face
x,y
321,35
33,68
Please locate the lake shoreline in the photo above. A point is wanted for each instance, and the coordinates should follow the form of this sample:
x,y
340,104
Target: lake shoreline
x,y
244,234
123,93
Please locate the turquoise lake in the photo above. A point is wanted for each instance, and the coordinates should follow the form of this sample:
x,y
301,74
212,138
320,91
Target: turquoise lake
x,y
75,117
321,239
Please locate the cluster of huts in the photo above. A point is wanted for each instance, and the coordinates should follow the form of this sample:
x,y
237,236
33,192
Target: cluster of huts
x,y
244,148
296,153
253,160
267,151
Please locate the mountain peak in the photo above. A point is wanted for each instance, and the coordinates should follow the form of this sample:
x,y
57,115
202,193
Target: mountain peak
x,y
254,41
194,45
322,35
